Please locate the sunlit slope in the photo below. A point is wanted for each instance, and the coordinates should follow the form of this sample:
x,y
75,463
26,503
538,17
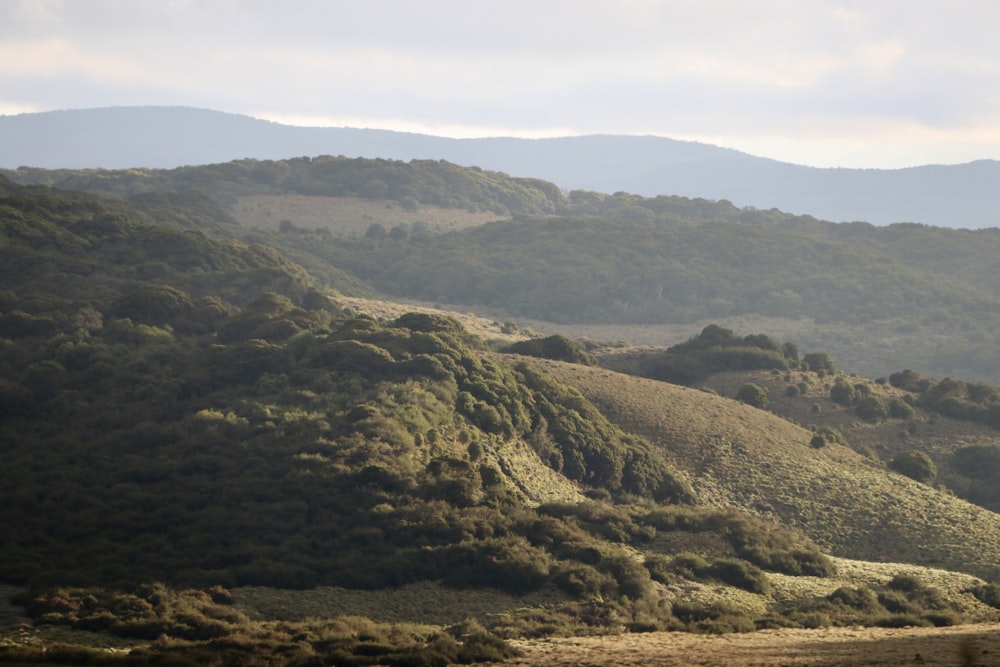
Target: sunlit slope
x,y
738,455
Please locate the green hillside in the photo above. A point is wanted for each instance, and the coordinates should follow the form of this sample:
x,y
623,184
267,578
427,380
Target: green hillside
x,y
188,420
902,296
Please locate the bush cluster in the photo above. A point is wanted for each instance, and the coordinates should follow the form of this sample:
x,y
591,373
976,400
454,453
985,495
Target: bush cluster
x,y
902,601
202,628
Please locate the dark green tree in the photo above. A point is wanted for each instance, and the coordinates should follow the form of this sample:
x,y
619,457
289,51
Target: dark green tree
x,y
872,408
753,395
915,465
819,361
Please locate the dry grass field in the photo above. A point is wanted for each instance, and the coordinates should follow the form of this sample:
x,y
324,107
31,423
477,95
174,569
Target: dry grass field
x,y
736,455
828,647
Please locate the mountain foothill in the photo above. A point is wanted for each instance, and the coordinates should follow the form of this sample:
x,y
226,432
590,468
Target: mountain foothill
x,y
208,409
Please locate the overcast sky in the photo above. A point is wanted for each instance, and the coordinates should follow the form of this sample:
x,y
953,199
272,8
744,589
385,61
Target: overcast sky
x,y
872,83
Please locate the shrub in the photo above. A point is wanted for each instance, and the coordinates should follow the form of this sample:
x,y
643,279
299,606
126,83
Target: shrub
x,y
871,408
753,395
862,599
905,582
907,380
900,409
942,619
688,565
916,465
740,574
555,347
988,594
901,621
981,462
843,393
819,361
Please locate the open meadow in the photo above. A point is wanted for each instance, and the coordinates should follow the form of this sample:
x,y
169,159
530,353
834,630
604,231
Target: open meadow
x,y
826,647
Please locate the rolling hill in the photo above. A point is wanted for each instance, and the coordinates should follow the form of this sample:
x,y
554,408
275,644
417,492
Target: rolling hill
x,y
168,137
880,298
198,436
741,456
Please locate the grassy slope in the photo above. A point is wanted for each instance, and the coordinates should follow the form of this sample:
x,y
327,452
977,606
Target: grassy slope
x,y
933,434
738,455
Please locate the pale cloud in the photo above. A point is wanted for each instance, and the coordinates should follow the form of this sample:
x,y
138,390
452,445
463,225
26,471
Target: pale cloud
x,y
61,57
10,109
822,82
454,131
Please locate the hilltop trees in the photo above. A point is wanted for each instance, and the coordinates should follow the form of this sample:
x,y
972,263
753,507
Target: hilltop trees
x,y
555,347
717,349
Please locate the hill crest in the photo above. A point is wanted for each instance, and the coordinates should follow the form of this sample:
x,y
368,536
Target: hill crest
x,y
124,137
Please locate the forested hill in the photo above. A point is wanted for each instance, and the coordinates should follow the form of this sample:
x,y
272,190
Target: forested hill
x,y
885,298
180,409
585,269
167,137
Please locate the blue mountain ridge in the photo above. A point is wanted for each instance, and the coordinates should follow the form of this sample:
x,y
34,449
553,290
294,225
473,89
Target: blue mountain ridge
x,y
959,196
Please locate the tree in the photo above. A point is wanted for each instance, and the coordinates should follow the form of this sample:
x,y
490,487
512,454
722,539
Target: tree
x,y
908,380
753,395
151,304
819,361
915,465
872,408
900,409
843,393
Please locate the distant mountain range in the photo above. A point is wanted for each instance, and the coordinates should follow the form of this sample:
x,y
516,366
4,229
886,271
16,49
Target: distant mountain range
x,y
962,196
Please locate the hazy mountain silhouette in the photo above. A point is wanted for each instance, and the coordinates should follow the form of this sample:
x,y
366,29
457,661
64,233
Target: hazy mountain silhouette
x,y
964,195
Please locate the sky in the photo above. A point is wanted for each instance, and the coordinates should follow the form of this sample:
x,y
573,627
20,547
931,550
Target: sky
x,y
826,83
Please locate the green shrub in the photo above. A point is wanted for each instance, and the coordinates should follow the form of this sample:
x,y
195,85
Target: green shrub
x,y
842,393
871,408
906,583
740,574
862,598
988,594
901,621
900,409
753,395
818,362
555,347
942,619
689,565
914,464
